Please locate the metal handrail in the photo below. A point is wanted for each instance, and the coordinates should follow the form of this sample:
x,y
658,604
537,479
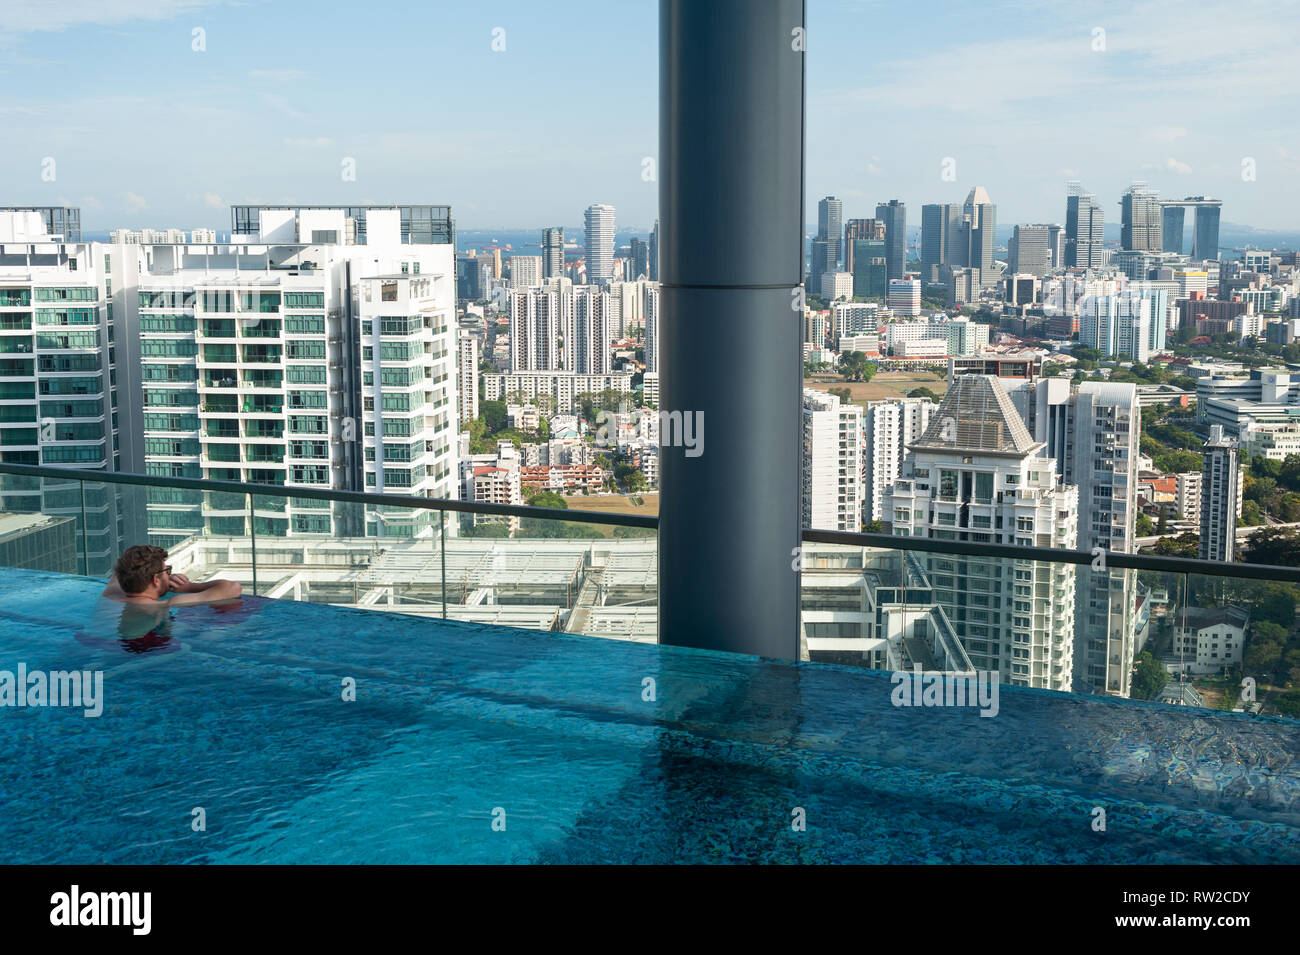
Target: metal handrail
x,y
346,497
1113,559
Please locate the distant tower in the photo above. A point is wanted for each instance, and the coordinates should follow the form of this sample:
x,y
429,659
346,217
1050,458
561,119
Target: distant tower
x,y
600,243
552,252
653,274
1140,219
1083,229
830,226
894,215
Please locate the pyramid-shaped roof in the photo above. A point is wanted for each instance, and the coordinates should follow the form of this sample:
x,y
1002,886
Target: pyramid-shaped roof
x,y
977,415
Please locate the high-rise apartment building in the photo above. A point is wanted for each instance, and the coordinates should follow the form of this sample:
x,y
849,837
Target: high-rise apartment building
x,y
64,395
588,338
1130,324
977,475
552,252
525,271
317,348
889,426
894,214
831,484
1093,434
467,357
600,243
1220,496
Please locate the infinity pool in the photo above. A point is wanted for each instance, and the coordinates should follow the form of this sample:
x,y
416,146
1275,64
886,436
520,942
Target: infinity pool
x,y
480,744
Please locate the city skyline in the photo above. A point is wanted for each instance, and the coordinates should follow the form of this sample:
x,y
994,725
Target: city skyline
x,y
277,112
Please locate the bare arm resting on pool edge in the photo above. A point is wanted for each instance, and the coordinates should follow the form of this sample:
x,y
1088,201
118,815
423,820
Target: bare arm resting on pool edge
x,y
142,575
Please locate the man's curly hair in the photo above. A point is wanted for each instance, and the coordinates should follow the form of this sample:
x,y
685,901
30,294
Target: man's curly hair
x,y
136,568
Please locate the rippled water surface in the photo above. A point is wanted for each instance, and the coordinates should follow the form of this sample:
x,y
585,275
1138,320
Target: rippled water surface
x,y
482,744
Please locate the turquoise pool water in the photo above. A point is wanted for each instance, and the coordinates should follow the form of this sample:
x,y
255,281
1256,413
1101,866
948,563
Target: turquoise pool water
x,y
240,712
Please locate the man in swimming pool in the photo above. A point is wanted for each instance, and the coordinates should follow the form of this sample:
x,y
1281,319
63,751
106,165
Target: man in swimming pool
x,y
143,576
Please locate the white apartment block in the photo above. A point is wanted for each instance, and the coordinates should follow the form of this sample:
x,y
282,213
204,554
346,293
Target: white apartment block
x,y
63,400
978,475
316,349
525,271
467,360
1092,433
905,296
831,484
888,427
588,339
650,388
561,386
537,320
1188,496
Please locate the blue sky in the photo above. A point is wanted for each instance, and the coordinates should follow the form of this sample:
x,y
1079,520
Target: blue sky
x,y
144,130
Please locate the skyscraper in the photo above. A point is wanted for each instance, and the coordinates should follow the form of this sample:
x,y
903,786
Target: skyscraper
x,y
1220,496
1030,250
653,274
552,252
979,223
600,243
860,229
1083,230
1141,221
940,225
1205,235
894,215
830,226
639,252
820,263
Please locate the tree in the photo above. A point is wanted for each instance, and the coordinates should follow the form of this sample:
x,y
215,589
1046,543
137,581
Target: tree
x,y
548,499
1163,524
844,394
1274,545
493,414
1143,527
853,365
1149,676
924,393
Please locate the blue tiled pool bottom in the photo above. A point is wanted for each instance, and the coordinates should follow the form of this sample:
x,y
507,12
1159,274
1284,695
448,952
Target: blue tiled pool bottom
x,y
482,744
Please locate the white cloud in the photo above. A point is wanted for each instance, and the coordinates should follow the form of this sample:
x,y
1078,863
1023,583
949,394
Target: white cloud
x,y
1178,166
32,16
213,201
136,203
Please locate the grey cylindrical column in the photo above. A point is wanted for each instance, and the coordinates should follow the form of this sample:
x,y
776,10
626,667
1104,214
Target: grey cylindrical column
x,y
731,105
